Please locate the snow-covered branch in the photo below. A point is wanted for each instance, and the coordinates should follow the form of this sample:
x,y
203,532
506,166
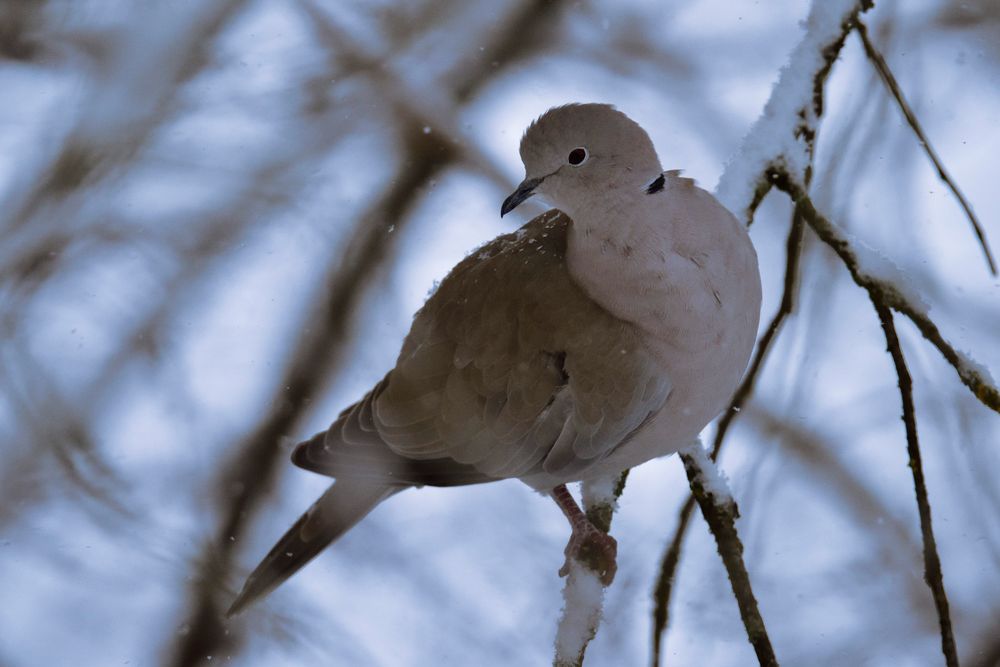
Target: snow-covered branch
x,y
710,490
786,132
778,151
786,129
583,594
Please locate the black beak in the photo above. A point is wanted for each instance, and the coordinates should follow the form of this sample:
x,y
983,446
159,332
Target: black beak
x,y
524,190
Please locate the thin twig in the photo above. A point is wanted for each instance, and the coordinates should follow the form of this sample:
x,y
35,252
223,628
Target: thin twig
x,y
886,293
663,592
721,513
671,557
932,562
882,67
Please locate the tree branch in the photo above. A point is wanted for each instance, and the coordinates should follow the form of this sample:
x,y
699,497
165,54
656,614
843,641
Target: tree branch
x,y
884,291
788,125
882,67
932,562
663,591
720,512
742,187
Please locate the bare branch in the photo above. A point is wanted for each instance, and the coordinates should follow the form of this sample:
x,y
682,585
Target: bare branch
x,y
882,67
932,562
663,591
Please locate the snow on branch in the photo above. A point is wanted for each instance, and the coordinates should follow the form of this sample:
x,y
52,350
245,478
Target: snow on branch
x,y
583,594
778,151
786,130
583,601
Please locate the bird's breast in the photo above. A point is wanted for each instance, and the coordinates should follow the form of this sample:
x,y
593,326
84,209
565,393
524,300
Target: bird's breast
x,y
690,285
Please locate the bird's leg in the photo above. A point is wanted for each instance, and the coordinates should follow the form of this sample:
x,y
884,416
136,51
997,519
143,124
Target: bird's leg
x,y
589,545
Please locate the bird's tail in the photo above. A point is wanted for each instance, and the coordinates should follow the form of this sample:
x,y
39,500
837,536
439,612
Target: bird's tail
x,y
342,505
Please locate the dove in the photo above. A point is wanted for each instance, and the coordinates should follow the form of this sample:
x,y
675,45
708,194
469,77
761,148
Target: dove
x,y
604,333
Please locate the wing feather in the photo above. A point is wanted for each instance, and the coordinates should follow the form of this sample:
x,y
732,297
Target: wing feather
x,y
509,369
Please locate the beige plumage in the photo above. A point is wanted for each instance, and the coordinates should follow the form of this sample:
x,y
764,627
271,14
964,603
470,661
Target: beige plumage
x,y
596,337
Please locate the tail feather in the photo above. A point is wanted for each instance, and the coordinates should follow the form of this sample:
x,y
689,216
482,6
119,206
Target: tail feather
x,y
342,505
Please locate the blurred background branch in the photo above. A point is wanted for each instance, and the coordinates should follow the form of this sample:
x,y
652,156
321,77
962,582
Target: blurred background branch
x,y
219,217
246,480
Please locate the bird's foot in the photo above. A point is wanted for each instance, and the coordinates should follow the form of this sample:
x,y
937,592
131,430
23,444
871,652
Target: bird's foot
x,y
594,549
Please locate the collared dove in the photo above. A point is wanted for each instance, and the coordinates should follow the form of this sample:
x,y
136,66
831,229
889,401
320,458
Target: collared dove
x,y
602,334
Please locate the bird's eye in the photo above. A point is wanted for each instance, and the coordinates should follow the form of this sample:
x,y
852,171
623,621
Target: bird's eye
x,y
577,156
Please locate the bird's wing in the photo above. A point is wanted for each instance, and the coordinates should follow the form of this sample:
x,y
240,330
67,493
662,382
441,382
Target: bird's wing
x,y
509,369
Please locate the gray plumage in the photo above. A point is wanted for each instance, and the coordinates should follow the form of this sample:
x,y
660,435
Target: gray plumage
x,y
596,337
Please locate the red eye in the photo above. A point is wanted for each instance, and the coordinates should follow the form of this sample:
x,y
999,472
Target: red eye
x,y
577,156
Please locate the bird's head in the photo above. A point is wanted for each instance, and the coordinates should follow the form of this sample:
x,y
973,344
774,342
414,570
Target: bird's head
x,y
573,152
